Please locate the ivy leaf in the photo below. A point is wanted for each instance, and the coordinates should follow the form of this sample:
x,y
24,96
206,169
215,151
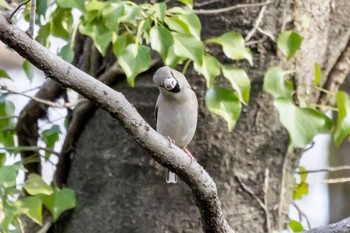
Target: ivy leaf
x,y
160,10
224,103
4,4
111,15
79,4
32,207
289,42
343,122
99,33
275,84
317,78
41,8
67,53
239,80
131,12
28,69
3,74
36,185
233,46
188,3
172,59
188,47
8,175
303,176
302,123
161,40
185,23
61,23
134,60
43,35
7,108
50,137
209,69
300,190
59,201
295,226
121,43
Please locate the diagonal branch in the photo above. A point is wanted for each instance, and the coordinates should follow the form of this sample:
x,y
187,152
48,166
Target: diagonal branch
x,y
202,185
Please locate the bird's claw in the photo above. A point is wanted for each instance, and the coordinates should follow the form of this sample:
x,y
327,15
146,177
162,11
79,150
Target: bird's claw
x,y
171,142
192,158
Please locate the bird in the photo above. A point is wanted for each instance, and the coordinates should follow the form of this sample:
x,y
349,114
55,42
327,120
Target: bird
x,y
176,111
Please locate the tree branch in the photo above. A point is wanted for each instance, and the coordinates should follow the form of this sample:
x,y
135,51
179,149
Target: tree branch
x,y
202,186
339,227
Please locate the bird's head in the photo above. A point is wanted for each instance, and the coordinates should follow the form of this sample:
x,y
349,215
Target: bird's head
x,y
169,80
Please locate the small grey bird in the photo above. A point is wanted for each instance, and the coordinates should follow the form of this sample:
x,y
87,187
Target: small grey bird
x,y
176,110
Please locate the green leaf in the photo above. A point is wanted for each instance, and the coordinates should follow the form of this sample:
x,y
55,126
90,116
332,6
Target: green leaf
x,y
121,43
343,122
224,103
36,185
300,190
3,74
50,137
79,4
2,159
303,176
41,8
275,84
233,46
4,4
61,23
59,201
188,3
99,33
111,15
32,207
302,123
317,78
8,174
239,80
295,226
67,53
161,40
172,59
188,47
289,42
160,10
7,109
185,23
209,69
134,60
43,35
28,69
131,12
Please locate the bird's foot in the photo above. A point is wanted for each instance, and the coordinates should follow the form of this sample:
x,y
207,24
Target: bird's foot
x,y
189,154
171,142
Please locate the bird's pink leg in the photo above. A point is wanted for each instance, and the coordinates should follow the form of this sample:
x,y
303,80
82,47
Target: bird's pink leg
x,y
171,142
189,154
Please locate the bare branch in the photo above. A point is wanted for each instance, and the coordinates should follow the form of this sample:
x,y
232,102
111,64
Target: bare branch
x,y
231,8
29,148
9,18
203,187
339,227
30,30
326,169
257,22
302,214
43,101
336,180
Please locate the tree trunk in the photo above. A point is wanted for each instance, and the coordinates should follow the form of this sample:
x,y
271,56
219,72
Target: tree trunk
x,y
121,189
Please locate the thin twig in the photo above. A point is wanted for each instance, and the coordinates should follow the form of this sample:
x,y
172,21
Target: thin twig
x,y
46,226
327,169
262,205
9,18
29,148
267,213
30,30
268,34
199,4
7,118
21,228
257,23
301,213
336,181
46,102
235,7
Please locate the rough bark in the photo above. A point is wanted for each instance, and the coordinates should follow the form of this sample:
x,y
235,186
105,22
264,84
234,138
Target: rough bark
x,y
339,227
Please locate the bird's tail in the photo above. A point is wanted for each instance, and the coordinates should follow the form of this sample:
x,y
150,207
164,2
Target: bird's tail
x,y
171,177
